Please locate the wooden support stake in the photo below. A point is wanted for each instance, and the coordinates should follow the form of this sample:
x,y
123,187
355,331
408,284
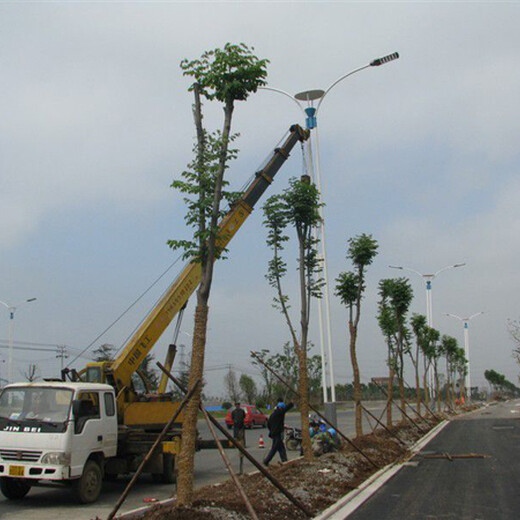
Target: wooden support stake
x,y
385,427
341,434
151,451
229,468
401,410
276,483
424,404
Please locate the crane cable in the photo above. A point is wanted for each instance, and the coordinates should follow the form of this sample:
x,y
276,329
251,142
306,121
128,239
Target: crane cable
x,y
155,282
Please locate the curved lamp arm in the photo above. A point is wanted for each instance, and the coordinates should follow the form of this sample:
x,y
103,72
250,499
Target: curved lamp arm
x,y
5,304
341,78
448,267
454,316
285,94
406,269
475,315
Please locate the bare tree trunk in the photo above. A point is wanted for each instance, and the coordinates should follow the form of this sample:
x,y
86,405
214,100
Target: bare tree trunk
x,y
302,352
189,428
304,404
425,384
437,392
357,380
390,392
418,397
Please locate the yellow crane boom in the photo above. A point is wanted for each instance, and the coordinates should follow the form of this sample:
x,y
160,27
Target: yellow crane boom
x,y
140,344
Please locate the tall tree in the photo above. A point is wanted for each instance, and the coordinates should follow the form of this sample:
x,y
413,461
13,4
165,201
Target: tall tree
x,y
418,323
248,387
449,349
104,352
232,386
225,75
396,295
350,287
297,207
267,376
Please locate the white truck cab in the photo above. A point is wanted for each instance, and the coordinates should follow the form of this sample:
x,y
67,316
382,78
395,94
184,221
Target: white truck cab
x,y
54,431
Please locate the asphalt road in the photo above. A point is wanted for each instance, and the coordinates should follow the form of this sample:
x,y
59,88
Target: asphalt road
x,y
59,503
462,489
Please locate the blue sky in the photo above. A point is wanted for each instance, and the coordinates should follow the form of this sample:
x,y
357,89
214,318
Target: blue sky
x,y
422,153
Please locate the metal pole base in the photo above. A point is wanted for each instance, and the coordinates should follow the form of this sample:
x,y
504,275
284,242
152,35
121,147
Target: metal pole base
x,y
330,413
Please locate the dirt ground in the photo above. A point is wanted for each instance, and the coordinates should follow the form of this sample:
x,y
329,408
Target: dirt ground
x,y
318,484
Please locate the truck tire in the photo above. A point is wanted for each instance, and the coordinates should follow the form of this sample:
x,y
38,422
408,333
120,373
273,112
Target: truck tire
x,y
88,486
168,476
14,488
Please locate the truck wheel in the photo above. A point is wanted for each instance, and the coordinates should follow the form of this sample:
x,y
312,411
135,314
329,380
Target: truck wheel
x,y
88,486
14,488
168,475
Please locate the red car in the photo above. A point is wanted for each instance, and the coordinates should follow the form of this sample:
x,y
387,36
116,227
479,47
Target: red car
x,y
254,417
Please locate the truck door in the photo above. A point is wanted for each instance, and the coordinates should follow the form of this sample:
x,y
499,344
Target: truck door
x,y
89,431
110,421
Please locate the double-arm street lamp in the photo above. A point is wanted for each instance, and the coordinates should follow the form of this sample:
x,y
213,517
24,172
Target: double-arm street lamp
x,y
12,310
428,278
306,103
465,322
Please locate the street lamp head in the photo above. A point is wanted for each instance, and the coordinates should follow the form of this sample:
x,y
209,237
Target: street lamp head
x,y
385,59
30,300
395,267
460,265
309,95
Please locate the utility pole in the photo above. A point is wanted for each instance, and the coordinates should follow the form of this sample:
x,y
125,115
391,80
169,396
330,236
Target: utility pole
x,y
62,354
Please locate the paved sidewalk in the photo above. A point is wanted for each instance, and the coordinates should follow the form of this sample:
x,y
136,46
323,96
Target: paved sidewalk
x,y
462,489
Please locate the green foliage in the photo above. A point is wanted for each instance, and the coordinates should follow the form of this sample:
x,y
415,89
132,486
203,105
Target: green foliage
x,y
298,207
226,75
248,386
362,250
227,405
500,383
197,184
231,73
149,372
347,288
104,352
285,364
396,295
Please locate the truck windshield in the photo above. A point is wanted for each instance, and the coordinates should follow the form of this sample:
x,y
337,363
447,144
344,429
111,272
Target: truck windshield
x,y
35,406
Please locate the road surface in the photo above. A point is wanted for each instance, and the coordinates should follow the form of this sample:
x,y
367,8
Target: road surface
x,y
461,489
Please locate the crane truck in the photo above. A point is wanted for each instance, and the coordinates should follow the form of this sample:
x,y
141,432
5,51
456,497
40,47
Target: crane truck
x,y
94,424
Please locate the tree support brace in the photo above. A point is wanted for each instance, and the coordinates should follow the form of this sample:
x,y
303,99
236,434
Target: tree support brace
x,y
152,450
276,483
323,418
401,410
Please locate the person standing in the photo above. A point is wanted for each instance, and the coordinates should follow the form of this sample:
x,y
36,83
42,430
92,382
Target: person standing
x,y
238,416
275,424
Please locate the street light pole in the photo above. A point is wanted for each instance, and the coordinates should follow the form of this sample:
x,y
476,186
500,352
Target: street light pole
x,y
465,322
12,309
428,278
310,113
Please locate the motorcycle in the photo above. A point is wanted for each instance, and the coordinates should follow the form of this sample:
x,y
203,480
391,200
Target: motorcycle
x,y
293,438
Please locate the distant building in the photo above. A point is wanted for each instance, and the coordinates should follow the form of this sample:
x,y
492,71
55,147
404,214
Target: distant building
x,y
381,381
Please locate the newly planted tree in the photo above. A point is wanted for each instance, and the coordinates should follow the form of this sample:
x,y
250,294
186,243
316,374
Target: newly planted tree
x,y
350,287
224,75
396,295
449,350
418,323
297,207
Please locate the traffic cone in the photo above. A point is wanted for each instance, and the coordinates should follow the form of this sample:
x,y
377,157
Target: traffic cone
x,y
261,443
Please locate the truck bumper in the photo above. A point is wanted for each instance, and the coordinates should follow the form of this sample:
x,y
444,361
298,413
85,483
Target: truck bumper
x,y
34,471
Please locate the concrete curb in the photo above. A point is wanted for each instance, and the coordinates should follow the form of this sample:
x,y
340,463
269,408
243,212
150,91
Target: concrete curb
x,y
351,501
